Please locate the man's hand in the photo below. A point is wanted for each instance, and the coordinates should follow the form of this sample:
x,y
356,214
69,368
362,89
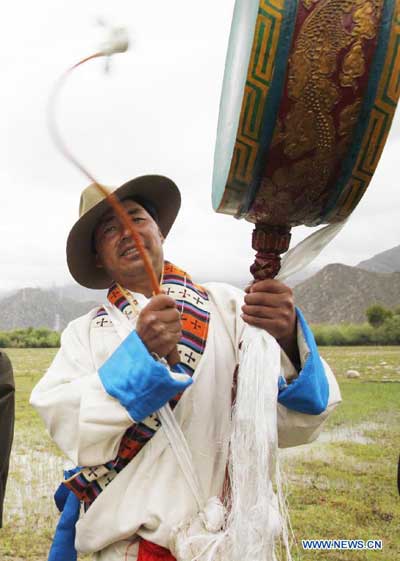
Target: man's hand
x,y
269,305
159,325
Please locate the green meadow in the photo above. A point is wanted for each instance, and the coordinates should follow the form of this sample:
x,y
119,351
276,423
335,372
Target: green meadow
x,y
341,487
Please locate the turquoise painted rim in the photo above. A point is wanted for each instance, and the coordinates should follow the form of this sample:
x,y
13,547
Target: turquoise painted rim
x,y
237,61
365,113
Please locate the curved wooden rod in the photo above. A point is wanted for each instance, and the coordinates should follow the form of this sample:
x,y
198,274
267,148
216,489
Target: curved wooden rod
x,y
111,198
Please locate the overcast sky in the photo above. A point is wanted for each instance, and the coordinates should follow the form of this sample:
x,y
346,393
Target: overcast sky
x,y
156,112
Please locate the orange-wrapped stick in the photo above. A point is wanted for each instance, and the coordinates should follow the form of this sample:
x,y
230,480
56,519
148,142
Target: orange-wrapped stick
x,y
123,216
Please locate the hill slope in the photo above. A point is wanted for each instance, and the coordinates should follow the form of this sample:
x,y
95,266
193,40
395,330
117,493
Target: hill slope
x,y
385,262
34,307
339,294
336,294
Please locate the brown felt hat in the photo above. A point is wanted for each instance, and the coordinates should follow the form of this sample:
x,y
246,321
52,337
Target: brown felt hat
x,y
162,196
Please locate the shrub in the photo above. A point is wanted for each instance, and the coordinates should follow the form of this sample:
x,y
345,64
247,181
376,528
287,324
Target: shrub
x,y
377,315
359,334
30,338
389,332
4,340
330,335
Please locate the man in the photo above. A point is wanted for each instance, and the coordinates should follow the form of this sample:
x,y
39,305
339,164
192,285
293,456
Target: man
x,y
100,396
7,405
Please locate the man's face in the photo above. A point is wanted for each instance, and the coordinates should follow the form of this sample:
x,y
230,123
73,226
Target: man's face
x,y
116,251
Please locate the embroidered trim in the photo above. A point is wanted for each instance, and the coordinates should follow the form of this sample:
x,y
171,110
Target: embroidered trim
x,y
193,303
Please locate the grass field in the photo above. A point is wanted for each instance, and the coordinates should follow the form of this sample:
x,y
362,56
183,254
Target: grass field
x,y
341,487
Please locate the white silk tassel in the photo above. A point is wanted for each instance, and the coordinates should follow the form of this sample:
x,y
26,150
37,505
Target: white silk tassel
x,y
255,520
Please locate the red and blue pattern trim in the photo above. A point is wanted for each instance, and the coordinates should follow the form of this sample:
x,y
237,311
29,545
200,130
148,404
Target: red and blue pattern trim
x,y
193,303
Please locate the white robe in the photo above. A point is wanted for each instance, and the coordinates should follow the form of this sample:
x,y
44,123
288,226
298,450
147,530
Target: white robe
x,y
150,495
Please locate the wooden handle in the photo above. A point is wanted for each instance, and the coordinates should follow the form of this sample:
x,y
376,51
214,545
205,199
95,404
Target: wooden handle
x,y
269,242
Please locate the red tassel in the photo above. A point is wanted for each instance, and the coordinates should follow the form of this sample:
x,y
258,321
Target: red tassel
x,y
149,551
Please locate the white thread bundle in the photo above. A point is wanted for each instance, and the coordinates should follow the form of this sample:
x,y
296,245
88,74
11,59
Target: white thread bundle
x,y
257,516
255,520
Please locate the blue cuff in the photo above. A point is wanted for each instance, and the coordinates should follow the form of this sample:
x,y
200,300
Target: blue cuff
x,y
309,392
140,383
63,545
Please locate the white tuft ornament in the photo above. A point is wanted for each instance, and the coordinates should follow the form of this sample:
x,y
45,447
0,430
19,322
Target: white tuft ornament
x,y
117,41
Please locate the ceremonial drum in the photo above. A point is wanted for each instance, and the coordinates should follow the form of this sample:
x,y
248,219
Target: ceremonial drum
x,y
309,94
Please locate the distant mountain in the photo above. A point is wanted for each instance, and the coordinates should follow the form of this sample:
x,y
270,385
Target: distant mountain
x,y
339,294
385,262
242,282
336,294
302,275
4,292
80,293
34,307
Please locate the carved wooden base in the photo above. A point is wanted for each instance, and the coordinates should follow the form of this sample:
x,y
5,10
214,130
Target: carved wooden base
x,y
269,242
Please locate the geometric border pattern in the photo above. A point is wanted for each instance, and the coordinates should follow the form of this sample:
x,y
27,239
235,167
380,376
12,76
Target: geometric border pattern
x,y
373,129
260,73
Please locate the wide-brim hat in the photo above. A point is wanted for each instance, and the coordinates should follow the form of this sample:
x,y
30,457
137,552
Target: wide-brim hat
x,y
162,194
